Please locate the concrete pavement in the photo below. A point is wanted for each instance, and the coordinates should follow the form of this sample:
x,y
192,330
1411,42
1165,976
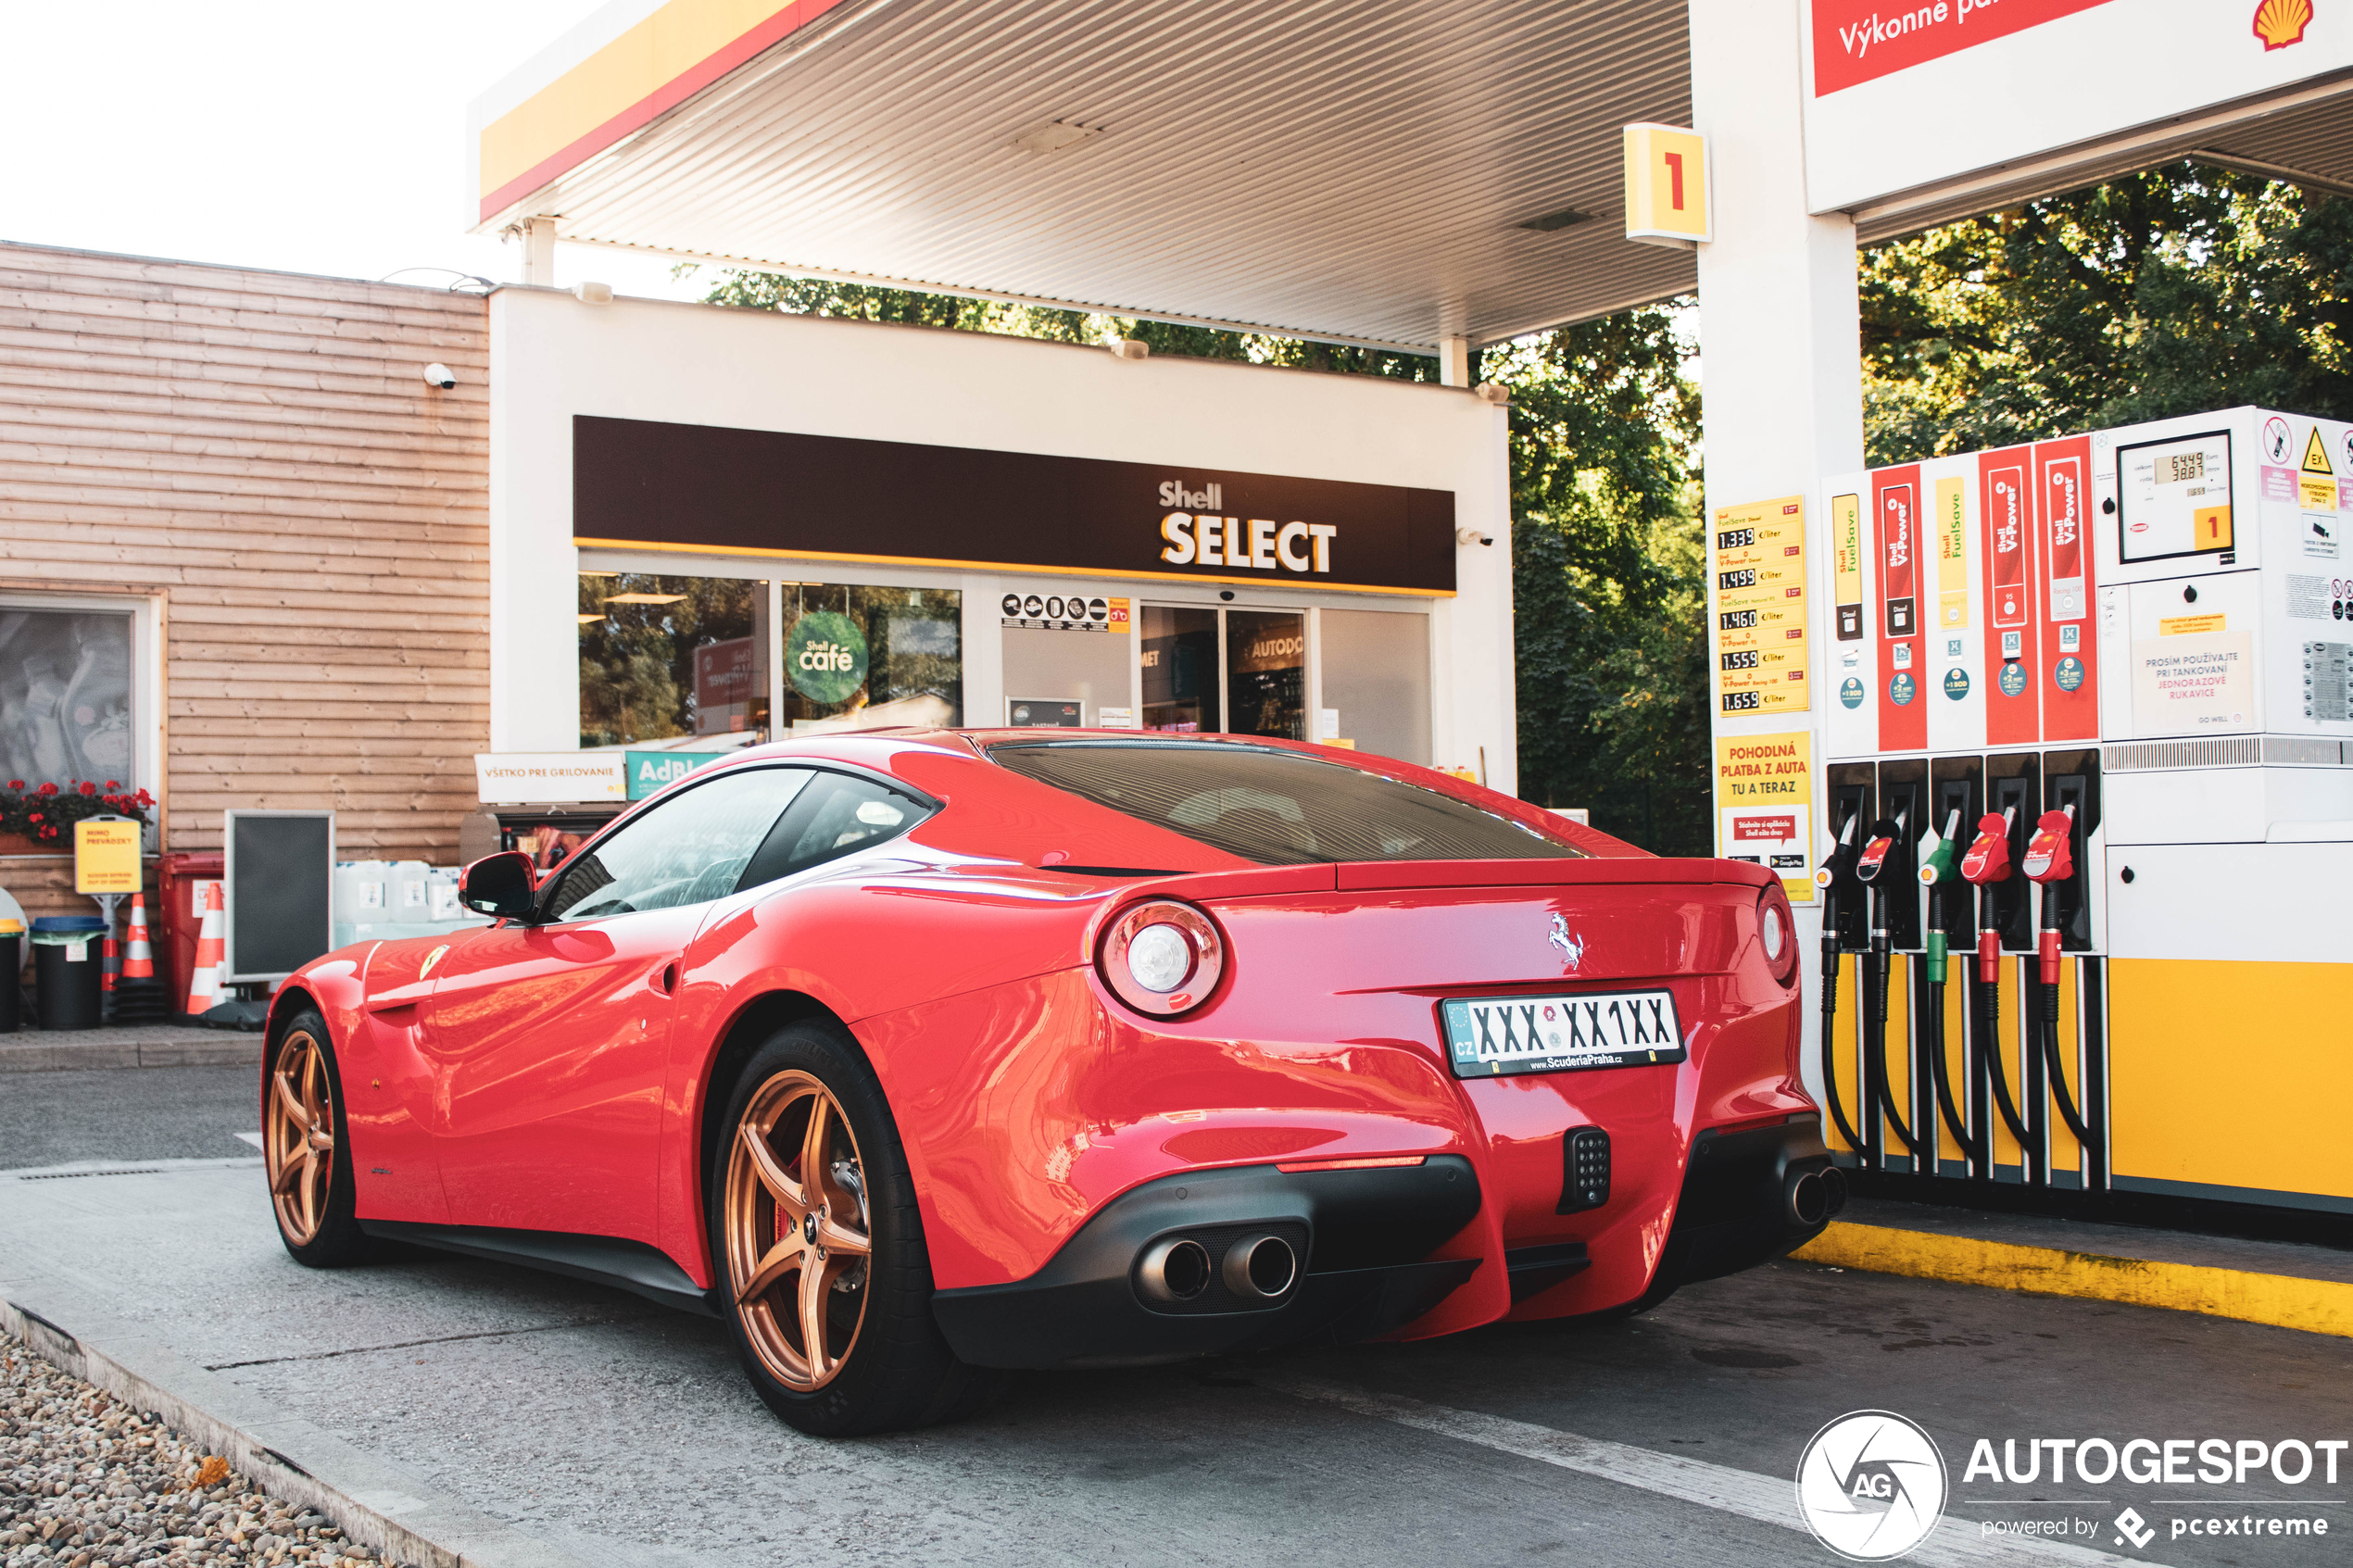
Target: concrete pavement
x,y
611,1430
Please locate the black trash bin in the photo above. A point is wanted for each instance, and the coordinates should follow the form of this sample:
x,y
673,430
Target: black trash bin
x,y
11,976
68,955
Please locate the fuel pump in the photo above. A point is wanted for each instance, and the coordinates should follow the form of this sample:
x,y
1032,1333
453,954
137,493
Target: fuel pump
x,y
1939,870
2050,865
1873,871
1986,867
1835,877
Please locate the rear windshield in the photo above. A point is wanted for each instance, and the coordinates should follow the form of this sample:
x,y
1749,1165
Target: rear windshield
x,y
1277,808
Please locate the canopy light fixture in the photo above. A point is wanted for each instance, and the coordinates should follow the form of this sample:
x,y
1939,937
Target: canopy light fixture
x,y
1053,136
1567,218
585,619
645,598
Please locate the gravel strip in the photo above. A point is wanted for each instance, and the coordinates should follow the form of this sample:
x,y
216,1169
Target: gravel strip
x,y
86,1480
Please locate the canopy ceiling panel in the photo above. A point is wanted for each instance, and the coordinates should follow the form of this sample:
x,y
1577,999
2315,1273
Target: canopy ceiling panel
x,y
1330,168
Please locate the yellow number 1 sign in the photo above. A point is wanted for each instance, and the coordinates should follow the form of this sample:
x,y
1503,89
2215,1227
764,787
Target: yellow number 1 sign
x,y
1667,186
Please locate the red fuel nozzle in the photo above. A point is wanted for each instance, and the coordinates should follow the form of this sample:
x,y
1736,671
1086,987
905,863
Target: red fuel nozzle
x,y
1988,860
2050,854
1873,858
2050,860
1989,955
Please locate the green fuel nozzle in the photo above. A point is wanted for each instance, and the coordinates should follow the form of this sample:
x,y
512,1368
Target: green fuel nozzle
x,y
1939,867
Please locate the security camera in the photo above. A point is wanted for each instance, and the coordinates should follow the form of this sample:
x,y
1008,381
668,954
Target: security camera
x,y
1130,348
1495,393
1472,536
440,375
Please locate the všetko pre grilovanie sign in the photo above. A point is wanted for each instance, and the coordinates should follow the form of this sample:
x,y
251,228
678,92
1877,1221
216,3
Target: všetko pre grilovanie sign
x,y
644,484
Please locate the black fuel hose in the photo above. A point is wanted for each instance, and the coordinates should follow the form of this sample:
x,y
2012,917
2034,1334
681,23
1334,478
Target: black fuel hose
x,y
1990,1049
1829,1016
1946,1103
1881,965
2051,1056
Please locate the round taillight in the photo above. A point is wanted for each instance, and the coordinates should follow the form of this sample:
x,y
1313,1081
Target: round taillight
x,y
1162,957
1776,934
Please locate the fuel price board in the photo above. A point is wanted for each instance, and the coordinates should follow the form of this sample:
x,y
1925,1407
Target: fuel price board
x,y
1757,564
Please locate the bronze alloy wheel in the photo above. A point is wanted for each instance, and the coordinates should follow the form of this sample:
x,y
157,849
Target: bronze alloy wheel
x,y
298,1138
798,1231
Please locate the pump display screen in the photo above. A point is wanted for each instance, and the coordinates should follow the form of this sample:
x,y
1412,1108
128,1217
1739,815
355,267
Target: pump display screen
x,y
2173,496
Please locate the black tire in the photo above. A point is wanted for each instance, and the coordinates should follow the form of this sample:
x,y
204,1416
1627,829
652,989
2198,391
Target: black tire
x,y
896,1371
334,1239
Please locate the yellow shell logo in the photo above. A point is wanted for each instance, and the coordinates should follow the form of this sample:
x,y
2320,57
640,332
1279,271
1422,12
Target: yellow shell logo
x,y
2282,22
432,959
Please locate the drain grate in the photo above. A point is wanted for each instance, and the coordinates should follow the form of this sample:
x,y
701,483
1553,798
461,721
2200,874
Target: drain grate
x,y
72,1175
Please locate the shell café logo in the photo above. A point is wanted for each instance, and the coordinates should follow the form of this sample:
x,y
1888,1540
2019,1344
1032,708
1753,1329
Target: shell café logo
x,y
1857,41
2282,22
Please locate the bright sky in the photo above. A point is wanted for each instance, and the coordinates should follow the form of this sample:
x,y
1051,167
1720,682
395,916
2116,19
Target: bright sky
x,y
319,136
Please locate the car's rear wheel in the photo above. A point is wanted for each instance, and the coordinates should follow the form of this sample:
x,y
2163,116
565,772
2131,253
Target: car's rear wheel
x,y
817,1247
305,1146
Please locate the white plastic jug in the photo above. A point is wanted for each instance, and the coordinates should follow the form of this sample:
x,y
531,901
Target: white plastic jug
x,y
441,888
407,892
362,891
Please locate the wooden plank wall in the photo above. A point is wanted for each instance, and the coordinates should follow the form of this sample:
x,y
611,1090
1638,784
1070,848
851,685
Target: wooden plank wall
x,y
261,450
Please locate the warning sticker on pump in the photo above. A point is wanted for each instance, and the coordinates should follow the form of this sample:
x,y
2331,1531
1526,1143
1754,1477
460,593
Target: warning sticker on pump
x,y
1501,1037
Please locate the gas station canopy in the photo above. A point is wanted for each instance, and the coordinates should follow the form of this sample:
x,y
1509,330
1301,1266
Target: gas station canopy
x,y
1374,173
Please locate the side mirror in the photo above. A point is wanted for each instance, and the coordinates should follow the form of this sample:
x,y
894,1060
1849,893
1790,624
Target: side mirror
x,y
503,885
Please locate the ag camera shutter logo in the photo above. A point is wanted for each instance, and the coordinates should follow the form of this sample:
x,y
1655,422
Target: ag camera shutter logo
x,y
1871,1486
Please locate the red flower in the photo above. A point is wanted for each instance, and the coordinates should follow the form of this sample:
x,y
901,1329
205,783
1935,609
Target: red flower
x,y
33,817
114,783
49,789
16,784
88,787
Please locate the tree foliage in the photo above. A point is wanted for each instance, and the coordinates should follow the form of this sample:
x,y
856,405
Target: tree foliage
x,y
1608,569
2170,292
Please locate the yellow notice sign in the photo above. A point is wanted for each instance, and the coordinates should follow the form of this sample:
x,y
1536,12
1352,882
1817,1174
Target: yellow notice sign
x,y
105,857
2191,626
1758,552
1666,185
1765,806
2315,483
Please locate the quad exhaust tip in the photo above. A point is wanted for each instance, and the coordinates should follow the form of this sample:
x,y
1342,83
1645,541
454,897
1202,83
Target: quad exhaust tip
x,y
1259,1268
1173,1270
1813,1197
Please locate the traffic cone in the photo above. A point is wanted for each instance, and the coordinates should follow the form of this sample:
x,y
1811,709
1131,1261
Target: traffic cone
x,y
204,979
109,967
139,996
139,961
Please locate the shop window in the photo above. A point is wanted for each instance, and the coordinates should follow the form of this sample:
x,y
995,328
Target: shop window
x,y
1180,654
66,696
1376,681
1266,673
866,657
665,659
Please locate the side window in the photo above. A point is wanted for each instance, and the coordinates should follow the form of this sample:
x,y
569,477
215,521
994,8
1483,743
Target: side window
x,y
835,814
689,849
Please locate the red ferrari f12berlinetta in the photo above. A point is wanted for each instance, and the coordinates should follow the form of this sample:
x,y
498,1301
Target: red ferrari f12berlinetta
x,y
911,1055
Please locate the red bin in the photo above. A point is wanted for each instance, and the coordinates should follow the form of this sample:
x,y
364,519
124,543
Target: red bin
x,y
176,879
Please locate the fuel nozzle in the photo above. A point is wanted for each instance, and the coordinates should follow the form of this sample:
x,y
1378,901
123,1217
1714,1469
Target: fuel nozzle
x,y
1940,868
1834,872
1986,867
2050,862
1871,870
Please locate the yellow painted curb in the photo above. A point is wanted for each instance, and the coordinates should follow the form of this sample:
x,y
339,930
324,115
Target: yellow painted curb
x,y
2316,1306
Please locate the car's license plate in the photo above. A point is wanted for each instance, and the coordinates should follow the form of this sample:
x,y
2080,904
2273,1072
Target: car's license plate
x,y
1493,1037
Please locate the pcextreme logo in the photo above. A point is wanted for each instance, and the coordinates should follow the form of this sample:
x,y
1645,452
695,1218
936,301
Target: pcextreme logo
x,y
1871,1486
